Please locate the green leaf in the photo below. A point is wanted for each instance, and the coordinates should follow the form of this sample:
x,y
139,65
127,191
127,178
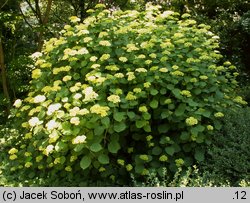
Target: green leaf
x,y
163,91
140,123
197,129
201,128
163,128
85,162
180,109
66,128
170,86
206,113
217,125
41,115
197,91
192,102
154,92
154,104
131,114
119,116
62,159
219,95
156,151
184,136
164,114
147,128
176,93
61,146
200,138
103,159
203,112
187,148
79,147
119,127
146,116
84,63
105,121
119,52
139,168
199,155
76,76
113,147
76,131
194,131
170,150
99,130
96,147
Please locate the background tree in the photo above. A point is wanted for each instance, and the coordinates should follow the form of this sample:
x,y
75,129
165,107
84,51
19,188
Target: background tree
x,y
7,28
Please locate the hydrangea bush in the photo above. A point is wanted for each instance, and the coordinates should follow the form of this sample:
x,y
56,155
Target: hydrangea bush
x,y
123,92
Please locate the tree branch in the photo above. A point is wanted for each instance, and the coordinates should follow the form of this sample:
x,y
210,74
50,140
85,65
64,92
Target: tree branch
x,y
38,11
44,21
47,12
3,72
4,3
25,19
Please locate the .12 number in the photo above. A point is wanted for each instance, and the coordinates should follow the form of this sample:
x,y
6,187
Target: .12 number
x,y
241,195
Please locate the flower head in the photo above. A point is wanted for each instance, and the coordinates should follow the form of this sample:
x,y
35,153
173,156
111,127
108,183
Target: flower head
x,y
143,109
49,149
105,57
218,115
66,78
186,93
203,77
163,158
123,59
105,43
130,96
147,84
75,120
93,58
163,70
90,94
114,98
28,165
79,139
101,110
68,168
177,73
18,103
34,121
52,124
53,107
131,76
13,151
36,73
74,19
13,157
39,99
210,127
191,121
141,70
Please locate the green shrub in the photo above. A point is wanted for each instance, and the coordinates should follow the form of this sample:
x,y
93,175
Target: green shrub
x,y
122,92
229,154
190,177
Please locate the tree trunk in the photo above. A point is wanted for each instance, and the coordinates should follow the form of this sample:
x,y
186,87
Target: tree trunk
x,y
3,74
82,10
44,20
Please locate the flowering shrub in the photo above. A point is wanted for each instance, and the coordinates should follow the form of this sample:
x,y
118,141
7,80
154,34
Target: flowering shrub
x,y
123,92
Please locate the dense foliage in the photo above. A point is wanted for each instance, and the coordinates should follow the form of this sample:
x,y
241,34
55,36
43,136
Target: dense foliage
x,y
108,99
229,154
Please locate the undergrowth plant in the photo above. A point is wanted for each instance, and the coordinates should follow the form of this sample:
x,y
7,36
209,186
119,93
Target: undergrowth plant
x,y
229,154
122,92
